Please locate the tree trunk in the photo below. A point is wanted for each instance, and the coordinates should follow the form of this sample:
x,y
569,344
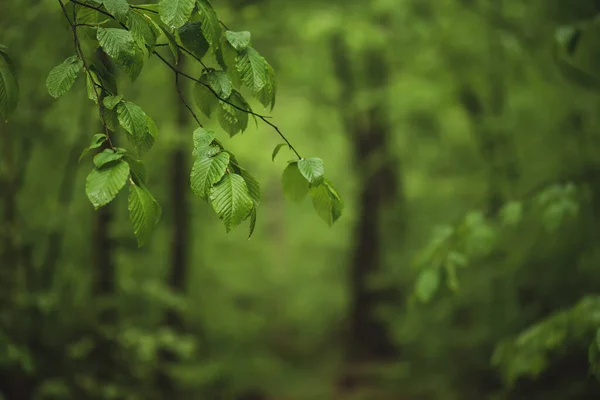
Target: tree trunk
x,y
367,340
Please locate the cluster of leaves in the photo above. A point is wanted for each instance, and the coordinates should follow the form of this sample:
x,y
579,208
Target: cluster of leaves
x,y
129,35
453,247
530,352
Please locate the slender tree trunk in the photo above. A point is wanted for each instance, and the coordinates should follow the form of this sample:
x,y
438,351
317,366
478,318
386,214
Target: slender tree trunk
x,y
177,274
367,340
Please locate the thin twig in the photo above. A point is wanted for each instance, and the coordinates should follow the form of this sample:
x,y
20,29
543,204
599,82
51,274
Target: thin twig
x,y
81,56
264,118
183,100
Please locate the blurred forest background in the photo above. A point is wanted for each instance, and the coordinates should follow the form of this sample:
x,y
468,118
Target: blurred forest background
x,y
466,265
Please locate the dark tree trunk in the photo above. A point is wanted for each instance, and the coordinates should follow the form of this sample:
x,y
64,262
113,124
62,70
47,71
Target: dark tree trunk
x,y
178,178
367,339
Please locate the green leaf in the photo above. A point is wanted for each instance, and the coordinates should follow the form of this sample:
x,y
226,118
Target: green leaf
x,y
103,184
295,186
268,93
62,77
139,174
427,284
146,141
132,118
118,8
171,41
116,42
221,83
252,222
312,169
253,69
111,102
107,156
192,38
253,186
207,171
142,29
327,202
144,212
238,40
211,28
9,85
120,45
92,89
202,140
97,140
232,119
175,13
204,98
231,201
276,150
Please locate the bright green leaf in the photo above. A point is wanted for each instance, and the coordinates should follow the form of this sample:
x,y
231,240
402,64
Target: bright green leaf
x,y
327,202
253,186
207,171
120,45
132,118
103,184
295,186
238,40
231,200
312,169
144,212
175,13
253,69
62,77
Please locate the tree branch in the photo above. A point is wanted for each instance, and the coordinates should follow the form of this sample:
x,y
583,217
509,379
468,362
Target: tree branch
x,y
178,72
86,67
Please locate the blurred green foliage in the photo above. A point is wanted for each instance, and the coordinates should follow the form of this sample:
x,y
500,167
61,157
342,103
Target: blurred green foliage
x,y
462,136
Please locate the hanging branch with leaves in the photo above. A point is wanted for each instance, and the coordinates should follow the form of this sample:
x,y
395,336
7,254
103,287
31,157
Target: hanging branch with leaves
x,y
132,34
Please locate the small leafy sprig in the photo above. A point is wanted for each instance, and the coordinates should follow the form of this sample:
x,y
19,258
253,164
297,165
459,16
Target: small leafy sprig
x,y
131,34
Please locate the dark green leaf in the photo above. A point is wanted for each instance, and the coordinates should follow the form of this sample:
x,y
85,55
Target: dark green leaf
x,y
192,38
233,119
